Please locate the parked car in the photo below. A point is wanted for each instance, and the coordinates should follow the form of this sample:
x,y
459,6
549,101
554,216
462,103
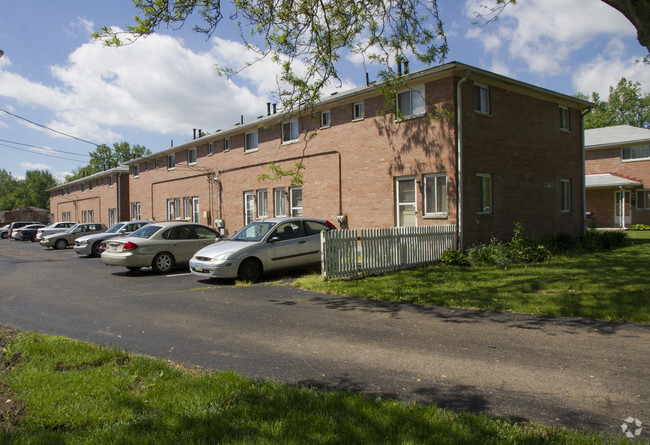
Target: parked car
x,y
54,228
27,232
4,231
263,246
18,224
161,246
61,240
91,244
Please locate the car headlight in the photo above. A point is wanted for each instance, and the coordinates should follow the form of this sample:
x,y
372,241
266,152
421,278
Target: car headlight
x,y
222,256
83,242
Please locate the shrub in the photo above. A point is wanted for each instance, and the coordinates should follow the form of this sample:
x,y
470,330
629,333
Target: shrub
x,y
523,250
639,227
495,253
561,242
454,258
596,240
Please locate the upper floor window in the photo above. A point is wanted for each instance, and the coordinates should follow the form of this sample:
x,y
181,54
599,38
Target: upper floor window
x,y
358,111
171,161
411,102
290,131
136,171
210,148
636,152
250,141
226,144
191,156
325,120
564,118
481,99
110,182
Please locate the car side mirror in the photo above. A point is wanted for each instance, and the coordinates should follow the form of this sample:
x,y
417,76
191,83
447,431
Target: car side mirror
x,y
274,239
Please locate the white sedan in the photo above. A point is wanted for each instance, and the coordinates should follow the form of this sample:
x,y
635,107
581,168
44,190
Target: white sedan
x,y
161,246
263,246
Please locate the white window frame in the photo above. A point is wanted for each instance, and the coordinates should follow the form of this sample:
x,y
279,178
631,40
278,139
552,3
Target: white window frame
x,y
110,182
210,148
643,199
358,111
177,208
196,216
170,209
111,217
187,207
325,119
136,171
481,99
565,123
482,190
279,202
84,217
296,210
565,188
171,161
191,156
91,216
262,197
251,142
413,102
135,211
635,153
249,207
290,133
226,144
439,204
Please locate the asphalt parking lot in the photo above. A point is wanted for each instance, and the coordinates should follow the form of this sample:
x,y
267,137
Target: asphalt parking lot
x,y
578,373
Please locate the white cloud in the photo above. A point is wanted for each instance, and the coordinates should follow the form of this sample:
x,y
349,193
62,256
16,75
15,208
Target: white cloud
x,y
603,72
33,166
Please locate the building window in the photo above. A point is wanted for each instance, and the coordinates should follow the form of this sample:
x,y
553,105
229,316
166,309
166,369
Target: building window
x,y
177,208
195,209
636,152
279,202
171,161
210,148
111,217
110,181
82,187
250,141
358,111
249,207
170,209
155,163
481,99
290,131
91,216
295,197
484,193
226,144
411,102
643,199
136,171
191,156
564,119
146,165
84,216
435,194
566,195
325,120
187,206
262,204
135,211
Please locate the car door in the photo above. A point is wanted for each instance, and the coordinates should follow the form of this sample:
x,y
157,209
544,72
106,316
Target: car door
x,y
286,246
183,241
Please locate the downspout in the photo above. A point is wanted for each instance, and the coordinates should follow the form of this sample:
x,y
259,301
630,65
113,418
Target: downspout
x,y
119,204
459,161
584,173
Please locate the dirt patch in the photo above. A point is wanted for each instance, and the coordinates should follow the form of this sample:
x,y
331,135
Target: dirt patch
x,y
11,411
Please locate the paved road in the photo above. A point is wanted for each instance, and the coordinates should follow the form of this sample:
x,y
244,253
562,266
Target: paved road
x,y
577,373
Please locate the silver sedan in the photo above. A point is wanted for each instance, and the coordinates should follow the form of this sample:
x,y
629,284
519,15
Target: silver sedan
x,y
161,246
263,246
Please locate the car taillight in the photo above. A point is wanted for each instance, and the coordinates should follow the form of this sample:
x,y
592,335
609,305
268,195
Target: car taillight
x,y
330,224
129,246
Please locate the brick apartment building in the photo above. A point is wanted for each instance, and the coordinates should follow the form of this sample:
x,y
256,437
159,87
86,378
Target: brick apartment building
x,y
101,197
617,166
516,151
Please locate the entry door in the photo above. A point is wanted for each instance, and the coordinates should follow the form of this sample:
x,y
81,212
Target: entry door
x,y
249,207
623,206
195,209
405,191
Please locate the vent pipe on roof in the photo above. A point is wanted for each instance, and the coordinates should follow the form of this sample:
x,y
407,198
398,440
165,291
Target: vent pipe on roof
x,y
241,119
367,79
172,142
268,108
194,134
275,109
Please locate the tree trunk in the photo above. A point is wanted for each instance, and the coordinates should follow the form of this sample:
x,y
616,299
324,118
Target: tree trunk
x,y
637,12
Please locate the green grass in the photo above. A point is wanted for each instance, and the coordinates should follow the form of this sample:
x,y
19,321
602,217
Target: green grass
x,y
76,393
609,285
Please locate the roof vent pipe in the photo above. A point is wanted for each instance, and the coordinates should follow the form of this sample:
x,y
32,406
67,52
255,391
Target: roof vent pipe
x,y
241,119
367,79
268,108
194,136
275,108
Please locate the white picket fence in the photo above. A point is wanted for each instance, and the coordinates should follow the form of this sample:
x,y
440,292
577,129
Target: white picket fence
x,y
352,253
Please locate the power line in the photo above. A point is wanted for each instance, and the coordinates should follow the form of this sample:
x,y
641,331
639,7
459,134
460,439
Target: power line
x,y
44,148
42,154
48,128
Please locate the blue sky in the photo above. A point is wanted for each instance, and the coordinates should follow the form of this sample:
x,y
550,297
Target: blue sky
x,y
159,89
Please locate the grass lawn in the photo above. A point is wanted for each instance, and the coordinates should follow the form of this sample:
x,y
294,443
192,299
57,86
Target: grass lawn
x,y
55,391
609,285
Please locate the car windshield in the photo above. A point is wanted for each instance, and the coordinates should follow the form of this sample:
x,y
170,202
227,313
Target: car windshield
x,y
115,228
145,232
253,232
72,229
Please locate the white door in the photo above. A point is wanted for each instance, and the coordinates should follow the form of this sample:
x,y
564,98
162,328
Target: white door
x,y
405,191
623,209
249,207
195,209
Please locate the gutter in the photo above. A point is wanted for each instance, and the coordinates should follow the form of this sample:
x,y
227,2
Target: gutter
x,y
459,162
584,173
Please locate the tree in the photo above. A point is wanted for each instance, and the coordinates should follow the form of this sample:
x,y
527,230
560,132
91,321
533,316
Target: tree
x,y
103,158
8,186
31,191
626,105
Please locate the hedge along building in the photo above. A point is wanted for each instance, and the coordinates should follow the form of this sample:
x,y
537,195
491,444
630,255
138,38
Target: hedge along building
x,y
100,197
502,151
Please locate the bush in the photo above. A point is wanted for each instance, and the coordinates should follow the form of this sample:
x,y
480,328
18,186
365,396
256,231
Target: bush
x,y
494,253
523,250
562,242
596,240
639,227
454,258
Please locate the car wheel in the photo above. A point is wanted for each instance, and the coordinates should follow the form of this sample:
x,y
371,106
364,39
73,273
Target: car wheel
x,y
95,250
5,235
134,269
163,262
250,270
34,239
60,244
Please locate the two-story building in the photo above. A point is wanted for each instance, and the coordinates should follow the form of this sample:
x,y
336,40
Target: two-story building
x,y
461,145
617,166
101,197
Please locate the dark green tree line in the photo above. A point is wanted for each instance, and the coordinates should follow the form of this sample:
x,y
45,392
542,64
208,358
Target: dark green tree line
x,y
626,105
31,191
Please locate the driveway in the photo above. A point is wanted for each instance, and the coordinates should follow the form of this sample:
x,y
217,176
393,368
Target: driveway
x,y
557,371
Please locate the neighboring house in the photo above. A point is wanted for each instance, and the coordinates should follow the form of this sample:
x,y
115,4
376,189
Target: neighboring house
x,y
99,198
515,154
617,168
27,213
